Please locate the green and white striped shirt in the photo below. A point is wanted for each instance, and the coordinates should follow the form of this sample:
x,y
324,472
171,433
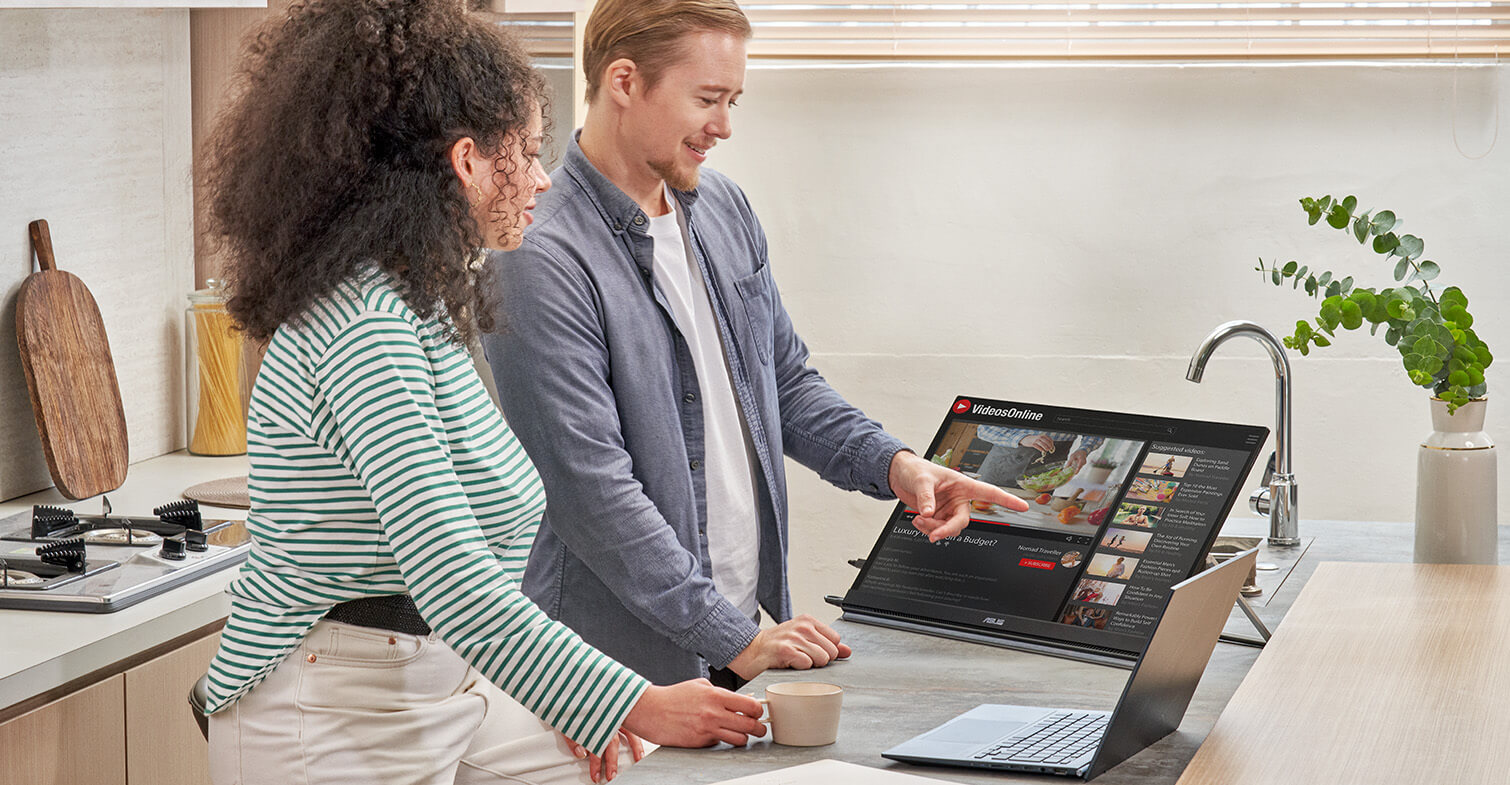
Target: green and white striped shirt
x,y
379,465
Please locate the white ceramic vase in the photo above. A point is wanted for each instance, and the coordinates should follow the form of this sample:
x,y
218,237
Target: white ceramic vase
x,y
1456,488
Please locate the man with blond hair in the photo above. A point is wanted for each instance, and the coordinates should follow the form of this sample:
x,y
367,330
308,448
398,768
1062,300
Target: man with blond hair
x,y
650,370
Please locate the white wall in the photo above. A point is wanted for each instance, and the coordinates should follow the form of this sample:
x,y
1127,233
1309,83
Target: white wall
x,y
1069,234
94,137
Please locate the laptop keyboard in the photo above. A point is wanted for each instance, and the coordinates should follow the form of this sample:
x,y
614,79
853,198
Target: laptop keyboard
x,y
1056,739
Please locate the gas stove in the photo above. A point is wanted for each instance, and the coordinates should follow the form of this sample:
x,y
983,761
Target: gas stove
x,y
54,559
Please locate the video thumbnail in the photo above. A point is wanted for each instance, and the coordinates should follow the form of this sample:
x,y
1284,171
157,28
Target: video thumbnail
x,y
1110,565
1129,540
1165,465
1142,516
1099,592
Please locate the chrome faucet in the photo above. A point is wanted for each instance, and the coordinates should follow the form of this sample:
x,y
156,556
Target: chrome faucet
x,y
1278,497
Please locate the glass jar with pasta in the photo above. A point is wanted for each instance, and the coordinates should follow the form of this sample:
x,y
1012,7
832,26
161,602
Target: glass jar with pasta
x,y
215,382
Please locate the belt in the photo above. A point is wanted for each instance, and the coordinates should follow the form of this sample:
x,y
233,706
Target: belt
x,y
392,612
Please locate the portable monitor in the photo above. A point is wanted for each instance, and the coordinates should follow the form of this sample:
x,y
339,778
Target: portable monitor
x,y
1121,508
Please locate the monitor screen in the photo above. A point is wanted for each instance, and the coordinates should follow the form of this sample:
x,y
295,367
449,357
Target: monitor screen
x,y
1121,508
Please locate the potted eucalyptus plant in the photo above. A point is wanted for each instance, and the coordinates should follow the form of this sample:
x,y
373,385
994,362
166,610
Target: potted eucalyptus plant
x,y
1432,329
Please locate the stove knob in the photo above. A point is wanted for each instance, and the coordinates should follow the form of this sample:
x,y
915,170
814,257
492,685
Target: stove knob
x,y
173,548
196,541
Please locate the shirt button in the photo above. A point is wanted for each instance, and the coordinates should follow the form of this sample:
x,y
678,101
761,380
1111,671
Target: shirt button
x,y
617,226
689,397
639,220
311,658
694,464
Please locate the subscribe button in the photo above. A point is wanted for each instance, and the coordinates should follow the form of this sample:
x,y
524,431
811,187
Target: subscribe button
x,y
1037,564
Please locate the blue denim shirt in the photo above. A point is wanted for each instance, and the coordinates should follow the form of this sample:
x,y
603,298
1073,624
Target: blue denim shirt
x,y
599,385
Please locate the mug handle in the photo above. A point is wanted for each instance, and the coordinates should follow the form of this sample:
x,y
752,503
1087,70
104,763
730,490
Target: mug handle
x,y
765,716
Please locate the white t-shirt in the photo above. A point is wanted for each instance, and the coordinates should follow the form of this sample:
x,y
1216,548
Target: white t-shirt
x,y
733,525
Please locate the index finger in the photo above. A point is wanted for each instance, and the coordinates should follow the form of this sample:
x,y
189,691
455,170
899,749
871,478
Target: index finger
x,y
989,492
744,704
828,632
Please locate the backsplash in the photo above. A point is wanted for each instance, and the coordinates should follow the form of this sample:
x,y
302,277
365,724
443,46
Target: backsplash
x,y
96,130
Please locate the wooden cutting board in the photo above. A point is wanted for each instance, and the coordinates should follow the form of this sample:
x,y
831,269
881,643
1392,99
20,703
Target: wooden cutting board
x,y
71,377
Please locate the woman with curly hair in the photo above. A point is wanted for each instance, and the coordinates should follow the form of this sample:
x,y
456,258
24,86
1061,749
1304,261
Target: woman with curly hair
x,y
377,631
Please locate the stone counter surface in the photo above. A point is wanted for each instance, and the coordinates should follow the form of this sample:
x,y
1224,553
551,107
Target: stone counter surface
x,y
897,685
43,650
900,684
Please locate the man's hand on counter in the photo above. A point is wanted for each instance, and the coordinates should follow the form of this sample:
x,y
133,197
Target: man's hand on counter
x,y
941,496
801,643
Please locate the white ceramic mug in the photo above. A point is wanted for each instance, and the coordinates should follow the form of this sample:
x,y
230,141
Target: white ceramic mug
x,y
803,713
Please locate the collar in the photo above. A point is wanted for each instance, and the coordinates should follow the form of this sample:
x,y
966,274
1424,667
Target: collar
x,y
621,212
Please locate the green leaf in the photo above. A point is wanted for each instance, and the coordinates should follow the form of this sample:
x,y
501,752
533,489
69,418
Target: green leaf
x,y
1350,203
1412,246
1385,243
1352,315
1429,270
1396,309
1401,269
1347,284
1360,228
1424,346
1331,310
1458,378
1453,295
1290,268
1392,335
1325,203
1274,275
1311,285
1383,222
1321,340
1338,217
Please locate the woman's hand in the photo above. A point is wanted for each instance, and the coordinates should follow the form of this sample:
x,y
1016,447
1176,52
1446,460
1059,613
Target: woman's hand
x,y
608,766
694,714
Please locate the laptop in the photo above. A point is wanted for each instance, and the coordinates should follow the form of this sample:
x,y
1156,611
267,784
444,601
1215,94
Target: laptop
x,y
1121,507
1084,744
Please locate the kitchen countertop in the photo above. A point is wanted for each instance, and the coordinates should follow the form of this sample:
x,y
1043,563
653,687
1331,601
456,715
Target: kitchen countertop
x,y
900,684
43,650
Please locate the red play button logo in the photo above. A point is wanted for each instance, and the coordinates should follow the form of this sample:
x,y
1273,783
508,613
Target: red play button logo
x,y
961,406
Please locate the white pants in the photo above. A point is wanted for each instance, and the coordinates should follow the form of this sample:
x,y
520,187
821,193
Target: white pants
x,y
359,705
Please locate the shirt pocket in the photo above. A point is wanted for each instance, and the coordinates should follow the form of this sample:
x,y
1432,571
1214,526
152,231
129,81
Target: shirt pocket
x,y
759,303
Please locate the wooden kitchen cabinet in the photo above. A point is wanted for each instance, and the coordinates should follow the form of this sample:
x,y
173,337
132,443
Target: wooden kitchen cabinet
x,y
75,740
131,728
163,744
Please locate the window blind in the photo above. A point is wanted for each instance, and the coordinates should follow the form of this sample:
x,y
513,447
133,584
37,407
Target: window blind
x,y
1032,29
542,35
1061,29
